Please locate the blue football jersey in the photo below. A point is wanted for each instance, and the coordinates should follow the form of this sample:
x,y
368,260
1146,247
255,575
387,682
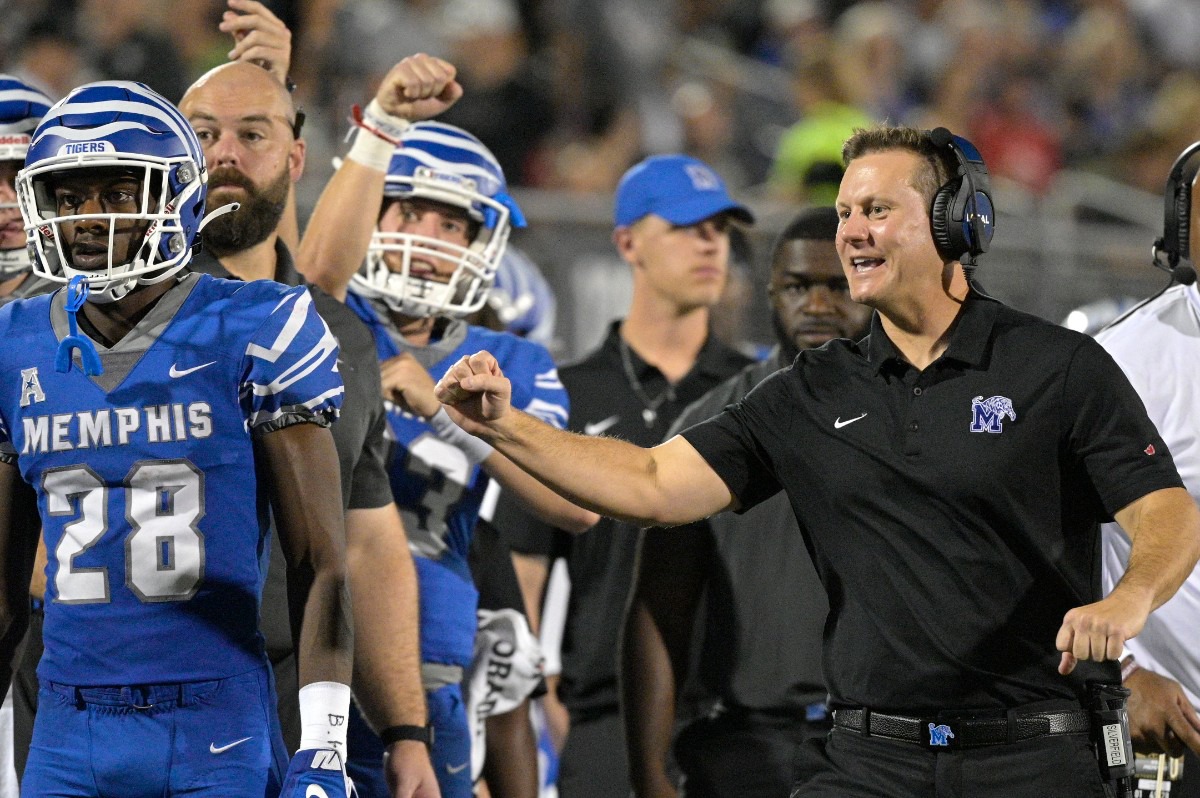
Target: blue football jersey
x,y
153,514
438,491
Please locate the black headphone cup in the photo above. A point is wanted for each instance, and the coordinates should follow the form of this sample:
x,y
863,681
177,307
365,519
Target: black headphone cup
x,y
962,216
940,223
1177,201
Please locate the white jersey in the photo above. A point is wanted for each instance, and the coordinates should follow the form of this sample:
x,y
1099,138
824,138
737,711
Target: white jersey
x,y
1158,347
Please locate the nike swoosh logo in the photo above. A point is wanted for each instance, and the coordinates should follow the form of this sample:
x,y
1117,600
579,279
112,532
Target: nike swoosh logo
x,y
213,749
176,372
452,770
600,426
838,424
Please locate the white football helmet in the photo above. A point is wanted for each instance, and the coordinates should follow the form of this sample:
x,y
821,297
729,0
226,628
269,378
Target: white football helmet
x,y
441,163
21,108
117,125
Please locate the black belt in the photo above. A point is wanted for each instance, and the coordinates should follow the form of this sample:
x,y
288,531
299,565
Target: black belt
x,y
948,730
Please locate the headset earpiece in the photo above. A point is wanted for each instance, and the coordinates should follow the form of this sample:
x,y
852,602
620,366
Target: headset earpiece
x,y
1176,243
939,217
961,216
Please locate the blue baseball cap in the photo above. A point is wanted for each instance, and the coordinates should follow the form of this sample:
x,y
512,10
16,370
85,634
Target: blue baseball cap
x,y
678,188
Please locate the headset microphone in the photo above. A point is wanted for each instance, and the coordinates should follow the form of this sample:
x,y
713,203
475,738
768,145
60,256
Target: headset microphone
x,y
1172,252
1182,273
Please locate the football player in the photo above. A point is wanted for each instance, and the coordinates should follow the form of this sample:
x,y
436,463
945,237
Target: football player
x,y
21,108
432,247
160,415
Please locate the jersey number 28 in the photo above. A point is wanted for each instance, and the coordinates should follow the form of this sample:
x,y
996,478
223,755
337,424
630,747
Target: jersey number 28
x,y
164,551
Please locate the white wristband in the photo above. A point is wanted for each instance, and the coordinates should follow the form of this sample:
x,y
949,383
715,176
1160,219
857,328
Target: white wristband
x,y
376,136
382,124
324,712
370,150
475,449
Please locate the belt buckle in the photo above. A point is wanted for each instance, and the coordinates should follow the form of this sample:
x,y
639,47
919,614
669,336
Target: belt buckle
x,y
938,735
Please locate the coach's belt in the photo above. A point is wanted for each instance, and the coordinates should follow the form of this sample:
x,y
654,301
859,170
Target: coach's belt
x,y
946,731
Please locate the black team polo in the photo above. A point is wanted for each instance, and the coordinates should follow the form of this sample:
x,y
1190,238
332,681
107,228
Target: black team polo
x,y
951,513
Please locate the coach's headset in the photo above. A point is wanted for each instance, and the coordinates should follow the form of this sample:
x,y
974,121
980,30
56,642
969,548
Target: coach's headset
x,y
962,216
1175,245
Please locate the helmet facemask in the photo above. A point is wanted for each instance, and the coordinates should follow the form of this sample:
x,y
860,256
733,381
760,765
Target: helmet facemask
x,y
160,250
97,135
440,164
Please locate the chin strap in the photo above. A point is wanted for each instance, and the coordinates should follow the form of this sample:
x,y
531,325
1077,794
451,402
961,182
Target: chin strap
x,y
77,293
219,212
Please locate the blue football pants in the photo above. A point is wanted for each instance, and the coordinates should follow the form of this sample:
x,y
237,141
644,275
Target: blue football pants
x,y
213,739
451,754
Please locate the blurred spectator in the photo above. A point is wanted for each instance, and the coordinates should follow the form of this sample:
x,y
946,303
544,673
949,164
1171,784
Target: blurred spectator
x,y
194,32
127,41
870,39
49,57
1013,138
790,29
1103,81
705,112
508,102
1172,121
808,161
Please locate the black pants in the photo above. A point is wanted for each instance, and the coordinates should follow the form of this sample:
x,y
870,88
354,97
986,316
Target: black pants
x,y
849,765
25,691
741,754
593,762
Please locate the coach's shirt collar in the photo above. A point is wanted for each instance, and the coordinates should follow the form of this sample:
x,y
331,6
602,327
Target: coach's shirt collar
x,y
969,338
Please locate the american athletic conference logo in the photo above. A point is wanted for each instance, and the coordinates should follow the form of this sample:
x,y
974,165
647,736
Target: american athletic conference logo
x,y
987,415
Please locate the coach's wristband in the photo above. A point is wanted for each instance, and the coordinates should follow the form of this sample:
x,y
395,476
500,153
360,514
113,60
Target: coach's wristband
x,y
1129,667
420,734
475,449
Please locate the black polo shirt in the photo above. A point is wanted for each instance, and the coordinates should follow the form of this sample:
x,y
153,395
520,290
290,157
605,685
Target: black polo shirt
x,y
952,513
600,561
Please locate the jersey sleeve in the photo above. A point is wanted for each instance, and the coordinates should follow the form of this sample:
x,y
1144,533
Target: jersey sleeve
x,y
536,387
290,373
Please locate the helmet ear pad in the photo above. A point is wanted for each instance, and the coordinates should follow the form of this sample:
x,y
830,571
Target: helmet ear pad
x,y
941,224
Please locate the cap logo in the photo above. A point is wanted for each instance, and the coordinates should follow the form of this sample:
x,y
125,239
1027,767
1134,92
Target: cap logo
x,y
703,178
84,147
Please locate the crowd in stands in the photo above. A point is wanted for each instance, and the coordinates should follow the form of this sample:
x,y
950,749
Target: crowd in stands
x,y
570,93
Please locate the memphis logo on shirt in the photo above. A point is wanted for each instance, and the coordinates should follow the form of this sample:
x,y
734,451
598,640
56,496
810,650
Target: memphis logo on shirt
x,y
987,415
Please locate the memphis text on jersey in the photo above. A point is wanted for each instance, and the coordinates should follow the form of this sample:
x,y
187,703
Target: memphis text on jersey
x,y
116,426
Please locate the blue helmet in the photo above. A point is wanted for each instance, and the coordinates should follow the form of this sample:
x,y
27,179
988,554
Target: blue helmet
x,y
124,127
21,108
441,163
522,298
